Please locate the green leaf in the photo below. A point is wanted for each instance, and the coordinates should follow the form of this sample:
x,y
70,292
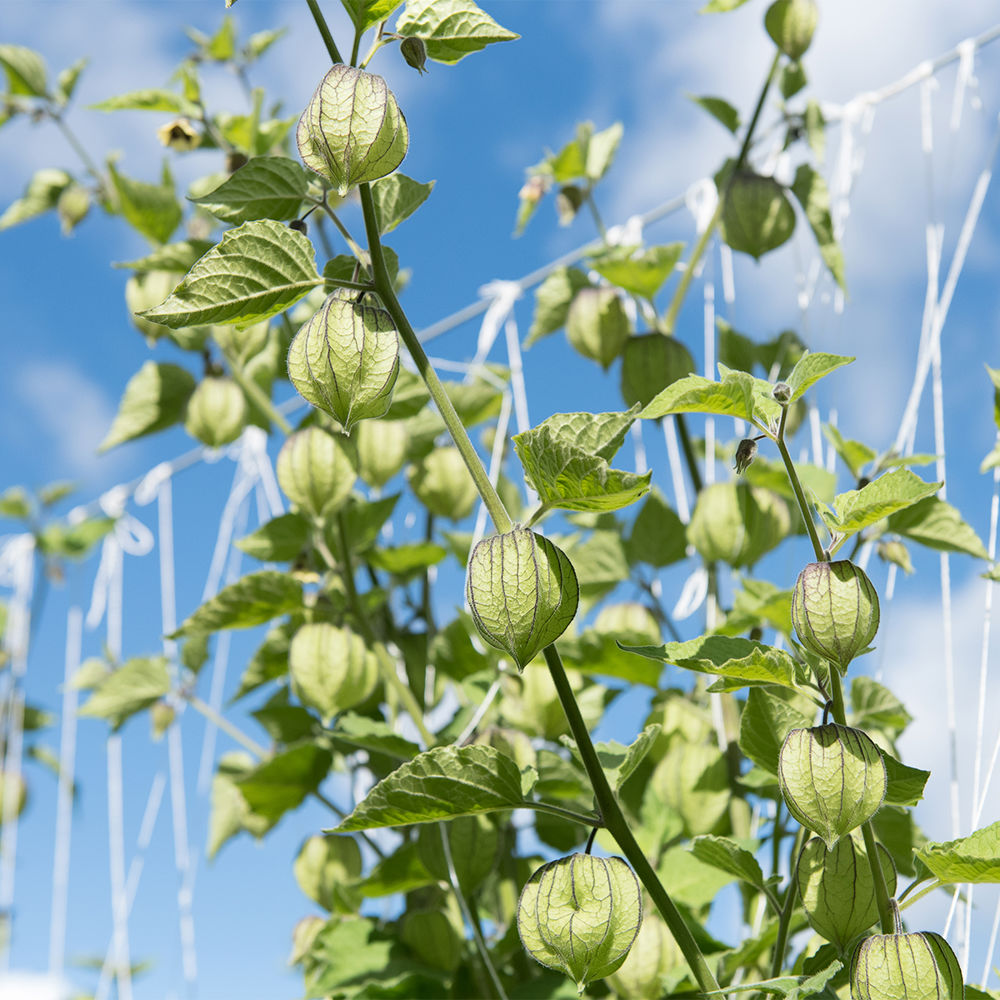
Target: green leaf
x,y
764,724
739,662
367,13
258,270
268,187
151,209
404,560
155,398
904,784
722,111
15,503
253,600
737,395
875,705
810,368
373,735
728,856
270,661
791,987
600,151
396,198
658,534
450,29
721,6
25,69
282,539
177,258
565,457
51,494
639,273
814,197
974,859
150,99
440,784
74,541
134,686
283,782
40,196
882,497
635,753
553,298
855,454
938,525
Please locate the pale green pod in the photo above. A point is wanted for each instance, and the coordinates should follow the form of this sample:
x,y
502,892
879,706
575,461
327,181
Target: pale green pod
x,y
352,130
315,471
918,966
148,289
331,668
650,363
473,841
693,780
443,484
432,937
736,523
216,412
757,216
522,591
837,889
345,359
629,622
381,448
580,915
653,955
596,324
835,610
832,779
791,25
324,869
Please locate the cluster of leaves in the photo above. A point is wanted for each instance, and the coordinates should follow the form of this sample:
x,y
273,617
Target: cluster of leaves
x,y
355,641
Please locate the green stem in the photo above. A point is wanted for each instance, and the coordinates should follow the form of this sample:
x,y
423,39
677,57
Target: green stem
x,y
785,917
70,136
617,825
595,213
225,725
793,478
356,286
670,320
584,819
260,398
324,30
383,287
689,456
351,242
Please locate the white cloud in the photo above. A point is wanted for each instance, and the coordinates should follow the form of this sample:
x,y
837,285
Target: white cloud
x,y
33,986
67,407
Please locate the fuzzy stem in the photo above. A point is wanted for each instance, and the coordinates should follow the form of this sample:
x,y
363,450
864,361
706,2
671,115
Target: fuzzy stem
x,y
584,819
793,478
324,30
785,917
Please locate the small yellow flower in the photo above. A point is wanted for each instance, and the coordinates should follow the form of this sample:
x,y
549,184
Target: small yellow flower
x,y
179,134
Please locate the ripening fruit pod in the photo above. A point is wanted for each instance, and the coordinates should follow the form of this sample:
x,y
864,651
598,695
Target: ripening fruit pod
x,y
352,130
596,324
650,363
443,484
736,523
653,955
791,25
432,937
837,888
381,448
757,217
327,868
835,610
315,471
522,592
216,412
629,622
906,967
832,778
580,915
331,668
346,358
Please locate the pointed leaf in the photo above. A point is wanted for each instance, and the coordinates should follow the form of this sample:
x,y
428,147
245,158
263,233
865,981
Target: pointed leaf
x,y
283,782
268,187
450,29
154,398
396,198
814,197
440,784
722,111
25,69
973,859
728,856
367,13
134,686
40,196
152,209
553,298
737,395
253,600
938,525
177,258
258,270
281,539
765,722
150,99
882,497
810,368
373,735
855,454
904,784
639,273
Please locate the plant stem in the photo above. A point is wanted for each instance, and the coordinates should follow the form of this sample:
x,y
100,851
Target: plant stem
x,y
70,136
324,30
383,287
225,725
689,456
785,917
584,819
617,825
670,320
793,478
260,398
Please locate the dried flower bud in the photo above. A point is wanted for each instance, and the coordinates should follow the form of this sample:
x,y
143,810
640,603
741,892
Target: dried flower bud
x,y
216,412
180,135
331,668
597,325
534,188
757,217
835,610
837,888
580,915
315,471
299,225
352,130
652,362
791,25
911,966
746,452
568,202
234,161
345,359
782,392
832,778
736,523
414,51
522,592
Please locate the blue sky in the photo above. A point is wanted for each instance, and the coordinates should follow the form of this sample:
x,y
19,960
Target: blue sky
x,y
68,348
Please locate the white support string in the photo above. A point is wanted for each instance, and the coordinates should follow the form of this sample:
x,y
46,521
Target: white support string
x,y
676,469
64,797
